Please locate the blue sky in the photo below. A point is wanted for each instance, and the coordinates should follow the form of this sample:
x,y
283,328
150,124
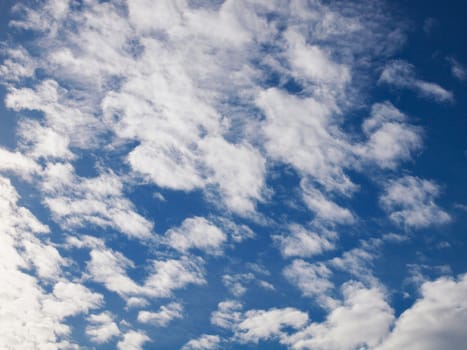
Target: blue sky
x,y
233,174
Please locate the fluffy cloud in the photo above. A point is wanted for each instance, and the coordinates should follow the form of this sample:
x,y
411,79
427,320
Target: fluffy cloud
x,y
17,163
301,242
31,316
205,342
77,201
102,327
313,280
361,321
162,317
133,340
227,315
110,268
390,138
401,74
435,321
199,233
267,324
410,202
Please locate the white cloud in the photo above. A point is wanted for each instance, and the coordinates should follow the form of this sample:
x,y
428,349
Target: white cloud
x,y
313,62
227,315
18,164
133,340
457,70
18,65
110,268
436,320
77,201
301,242
410,203
163,317
268,324
171,274
102,327
31,317
325,209
301,132
360,322
390,138
313,280
204,342
401,74
199,233
236,282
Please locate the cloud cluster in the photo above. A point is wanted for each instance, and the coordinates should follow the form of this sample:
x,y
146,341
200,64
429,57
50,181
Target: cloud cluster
x,y
410,202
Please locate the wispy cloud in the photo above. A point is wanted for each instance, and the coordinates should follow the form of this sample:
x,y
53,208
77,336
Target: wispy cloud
x,y
401,74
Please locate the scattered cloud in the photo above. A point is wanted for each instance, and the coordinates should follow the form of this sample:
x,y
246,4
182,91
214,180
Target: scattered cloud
x,y
401,74
198,233
204,342
163,317
133,340
436,319
458,71
102,327
361,321
410,202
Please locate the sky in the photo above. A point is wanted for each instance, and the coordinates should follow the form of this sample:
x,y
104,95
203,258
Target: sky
x,y
238,174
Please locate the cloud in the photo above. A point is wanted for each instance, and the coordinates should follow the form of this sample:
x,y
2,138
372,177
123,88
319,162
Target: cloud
x,y
36,297
101,327
78,201
204,342
198,233
110,268
390,138
326,210
227,315
133,340
163,317
401,74
435,321
301,242
361,321
236,282
268,324
458,71
301,132
313,280
17,163
410,202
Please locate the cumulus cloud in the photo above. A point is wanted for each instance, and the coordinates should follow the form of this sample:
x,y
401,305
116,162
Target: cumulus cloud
x,y
361,321
301,242
236,282
17,163
36,296
227,315
435,321
110,268
401,74
78,201
410,202
313,280
204,342
267,324
101,327
163,317
391,139
198,233
133,340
